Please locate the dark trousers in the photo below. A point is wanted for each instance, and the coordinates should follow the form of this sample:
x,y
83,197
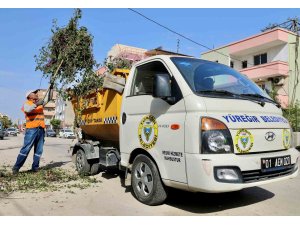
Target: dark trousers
x,y
33,137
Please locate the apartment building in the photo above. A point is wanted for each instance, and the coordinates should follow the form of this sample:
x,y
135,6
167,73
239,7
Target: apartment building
x,y
268,58
127,52
64,112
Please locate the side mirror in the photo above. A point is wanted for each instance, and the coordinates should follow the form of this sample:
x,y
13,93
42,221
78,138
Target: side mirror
x,y
162,86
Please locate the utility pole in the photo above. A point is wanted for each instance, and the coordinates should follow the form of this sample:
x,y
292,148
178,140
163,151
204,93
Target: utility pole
x,y
178,44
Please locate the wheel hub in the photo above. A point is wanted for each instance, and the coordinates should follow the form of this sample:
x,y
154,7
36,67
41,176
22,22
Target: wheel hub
x,y
144,178
79,161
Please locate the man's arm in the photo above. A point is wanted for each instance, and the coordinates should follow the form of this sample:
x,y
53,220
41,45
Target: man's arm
x,y
28,108
48,95
47,98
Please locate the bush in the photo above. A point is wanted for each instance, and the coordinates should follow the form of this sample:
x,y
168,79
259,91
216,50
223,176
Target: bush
x,y
292,113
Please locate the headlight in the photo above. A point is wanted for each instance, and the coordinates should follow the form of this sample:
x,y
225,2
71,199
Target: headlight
x,y
216,137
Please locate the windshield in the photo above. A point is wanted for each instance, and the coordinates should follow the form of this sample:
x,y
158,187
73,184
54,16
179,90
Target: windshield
x,y
69,131
11,129
50,131
206,77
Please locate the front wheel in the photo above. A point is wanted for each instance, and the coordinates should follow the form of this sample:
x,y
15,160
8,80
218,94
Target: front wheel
x,y
82,165
146,182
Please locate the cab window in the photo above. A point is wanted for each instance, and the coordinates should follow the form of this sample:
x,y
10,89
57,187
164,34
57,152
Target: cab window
x,y
144,76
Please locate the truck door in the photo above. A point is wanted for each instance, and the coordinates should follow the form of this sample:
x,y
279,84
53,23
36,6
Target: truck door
x,y
153,124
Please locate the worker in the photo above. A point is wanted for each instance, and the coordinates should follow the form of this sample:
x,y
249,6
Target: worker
x,y
35,129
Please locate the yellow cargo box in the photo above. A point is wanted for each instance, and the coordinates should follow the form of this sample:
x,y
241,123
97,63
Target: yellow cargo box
x,y
98,113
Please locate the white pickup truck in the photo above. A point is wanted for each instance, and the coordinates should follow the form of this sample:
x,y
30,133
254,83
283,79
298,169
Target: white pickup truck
x,y
195,125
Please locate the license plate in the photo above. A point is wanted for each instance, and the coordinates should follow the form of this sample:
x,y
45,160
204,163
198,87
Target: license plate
x,y
275,163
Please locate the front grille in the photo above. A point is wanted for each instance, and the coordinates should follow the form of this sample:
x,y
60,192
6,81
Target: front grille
x,y
257,175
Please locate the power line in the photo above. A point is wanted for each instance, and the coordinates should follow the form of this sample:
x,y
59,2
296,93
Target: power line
x,y
181,35
191,40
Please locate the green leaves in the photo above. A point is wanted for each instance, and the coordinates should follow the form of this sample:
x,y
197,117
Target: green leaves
x,y
55,123
6,121
292,113
53,179
67,59
119,62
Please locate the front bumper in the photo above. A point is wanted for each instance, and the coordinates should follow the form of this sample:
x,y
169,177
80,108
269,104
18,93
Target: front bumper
x,y
70,137
201,170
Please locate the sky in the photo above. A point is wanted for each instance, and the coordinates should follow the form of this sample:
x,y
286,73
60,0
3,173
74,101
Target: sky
x,y
24,31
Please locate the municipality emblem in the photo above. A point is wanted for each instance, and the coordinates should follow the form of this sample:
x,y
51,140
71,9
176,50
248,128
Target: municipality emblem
x,y
148,132
286,138
243,141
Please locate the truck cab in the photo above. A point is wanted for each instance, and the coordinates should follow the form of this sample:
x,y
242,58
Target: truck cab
x,y
200,126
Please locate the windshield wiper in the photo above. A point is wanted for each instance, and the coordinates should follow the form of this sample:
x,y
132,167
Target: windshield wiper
x,y
262,97
240,96
222,92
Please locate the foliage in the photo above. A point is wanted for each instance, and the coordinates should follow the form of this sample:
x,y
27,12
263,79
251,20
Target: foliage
x,y
6,121
118,62
54,179
273,93
68,57
292,113
55,123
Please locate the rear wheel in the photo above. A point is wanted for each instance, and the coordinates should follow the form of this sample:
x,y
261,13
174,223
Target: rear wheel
x,y
82,165
146,182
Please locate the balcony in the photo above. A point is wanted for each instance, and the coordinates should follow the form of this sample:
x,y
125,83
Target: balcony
x,y
261,41
49,113
267,70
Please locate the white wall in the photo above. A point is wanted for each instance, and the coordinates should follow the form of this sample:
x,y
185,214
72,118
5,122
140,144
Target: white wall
x,y
274,54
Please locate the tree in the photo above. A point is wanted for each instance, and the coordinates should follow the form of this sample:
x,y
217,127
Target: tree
x,y
68,58
291,113
6,121
55,123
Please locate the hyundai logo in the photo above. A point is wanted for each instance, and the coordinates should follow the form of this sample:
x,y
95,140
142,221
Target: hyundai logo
x,y
270,136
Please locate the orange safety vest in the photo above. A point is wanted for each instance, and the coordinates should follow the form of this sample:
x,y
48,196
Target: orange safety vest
x,y
36,117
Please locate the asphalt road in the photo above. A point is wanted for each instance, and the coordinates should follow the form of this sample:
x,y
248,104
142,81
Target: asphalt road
x,y
111,197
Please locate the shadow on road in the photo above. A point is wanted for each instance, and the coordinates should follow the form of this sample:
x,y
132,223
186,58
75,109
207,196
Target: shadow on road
x,y
52,165
208,202
110,174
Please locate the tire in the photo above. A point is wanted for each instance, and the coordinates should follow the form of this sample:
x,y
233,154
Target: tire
x,y
95,168
146,182
82,165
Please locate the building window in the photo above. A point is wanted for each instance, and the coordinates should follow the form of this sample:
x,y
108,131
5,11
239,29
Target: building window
x,y
260,59
231,64
244,64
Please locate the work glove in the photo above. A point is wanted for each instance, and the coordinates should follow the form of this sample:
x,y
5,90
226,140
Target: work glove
x,y
39,102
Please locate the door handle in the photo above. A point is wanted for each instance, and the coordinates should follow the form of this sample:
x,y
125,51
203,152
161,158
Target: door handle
x,y
124,117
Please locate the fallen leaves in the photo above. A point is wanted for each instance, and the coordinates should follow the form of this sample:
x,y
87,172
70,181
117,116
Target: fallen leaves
x,y
54,179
